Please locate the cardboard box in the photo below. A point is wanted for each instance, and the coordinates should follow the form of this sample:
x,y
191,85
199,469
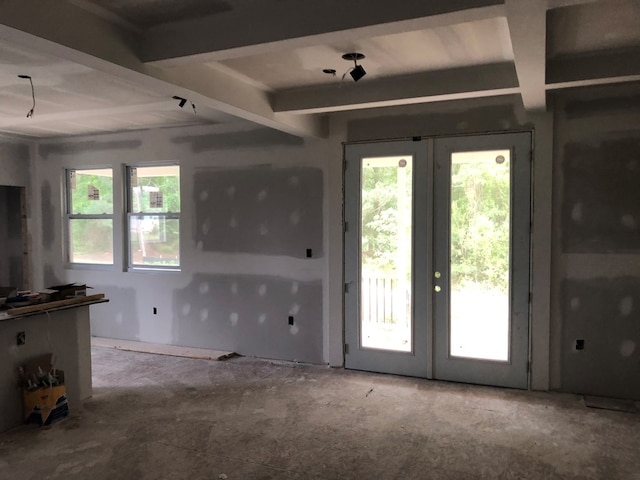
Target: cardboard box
x,y
43,391
45,405
69,290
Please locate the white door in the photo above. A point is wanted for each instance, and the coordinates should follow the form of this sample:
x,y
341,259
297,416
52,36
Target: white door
x,y
437,258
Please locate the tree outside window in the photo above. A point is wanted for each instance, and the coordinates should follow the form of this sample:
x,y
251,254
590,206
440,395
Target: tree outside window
x,y
90,216
154,216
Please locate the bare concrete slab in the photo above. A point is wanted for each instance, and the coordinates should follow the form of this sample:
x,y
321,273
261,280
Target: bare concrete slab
x,y
161,417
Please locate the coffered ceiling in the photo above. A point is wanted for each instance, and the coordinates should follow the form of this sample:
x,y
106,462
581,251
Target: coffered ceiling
x,y
111,65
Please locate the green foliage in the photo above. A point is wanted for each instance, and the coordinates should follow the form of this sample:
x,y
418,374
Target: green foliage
x,y
168,185
480,209
92,237
155,240
80,201
381,218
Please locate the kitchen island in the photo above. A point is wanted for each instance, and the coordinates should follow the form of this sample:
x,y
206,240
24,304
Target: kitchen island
x,y
61,328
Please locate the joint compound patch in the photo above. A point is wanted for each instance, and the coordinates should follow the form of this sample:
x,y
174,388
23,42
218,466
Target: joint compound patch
x,y
260,210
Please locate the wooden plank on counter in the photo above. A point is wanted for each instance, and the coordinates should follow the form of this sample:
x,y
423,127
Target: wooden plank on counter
x,y
41,307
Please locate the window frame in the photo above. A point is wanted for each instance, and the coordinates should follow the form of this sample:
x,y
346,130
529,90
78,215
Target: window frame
x,y
70,216
129,214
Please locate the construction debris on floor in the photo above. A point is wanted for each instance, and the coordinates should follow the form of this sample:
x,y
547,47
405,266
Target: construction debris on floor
x,y
164,417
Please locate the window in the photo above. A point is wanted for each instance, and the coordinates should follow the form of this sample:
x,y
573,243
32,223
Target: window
x,y
90,216
153,207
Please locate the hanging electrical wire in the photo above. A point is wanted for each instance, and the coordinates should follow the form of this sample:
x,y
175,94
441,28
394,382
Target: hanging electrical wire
x,y
33,95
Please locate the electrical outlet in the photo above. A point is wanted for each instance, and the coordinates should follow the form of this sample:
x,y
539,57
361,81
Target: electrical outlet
x,y
21,338
290,319
580,344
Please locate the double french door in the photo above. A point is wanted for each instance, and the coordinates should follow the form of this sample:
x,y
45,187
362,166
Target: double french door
x,y
437,258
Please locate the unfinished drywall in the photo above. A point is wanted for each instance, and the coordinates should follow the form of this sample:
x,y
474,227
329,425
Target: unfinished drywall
x,y
16,214
15,163
257,138
264,210
78,147
444,118
596,257
122,321
251,315
601,208
274,252
601,337
12,242
48,215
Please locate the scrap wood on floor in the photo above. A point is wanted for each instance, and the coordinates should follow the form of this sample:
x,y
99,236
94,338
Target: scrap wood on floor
x,y
160,349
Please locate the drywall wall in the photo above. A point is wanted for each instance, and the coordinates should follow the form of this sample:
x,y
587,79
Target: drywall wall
x,y
11,238
596,259
15,163
254,203
260,314
593,245
16,168
483,115
252,238
274,211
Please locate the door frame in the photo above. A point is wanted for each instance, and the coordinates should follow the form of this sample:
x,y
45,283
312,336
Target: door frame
x,y
423,235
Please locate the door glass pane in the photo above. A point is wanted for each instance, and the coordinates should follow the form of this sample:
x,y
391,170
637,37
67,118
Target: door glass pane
x,y
385,284
479,241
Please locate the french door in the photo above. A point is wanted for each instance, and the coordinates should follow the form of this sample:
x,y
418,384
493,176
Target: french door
x,y
437,258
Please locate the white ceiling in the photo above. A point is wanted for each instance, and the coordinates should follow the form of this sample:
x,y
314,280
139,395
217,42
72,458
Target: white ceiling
x,y
470,43
111,65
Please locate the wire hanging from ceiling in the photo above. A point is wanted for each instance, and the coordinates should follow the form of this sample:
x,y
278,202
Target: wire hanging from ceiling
x,y
33,95
183,101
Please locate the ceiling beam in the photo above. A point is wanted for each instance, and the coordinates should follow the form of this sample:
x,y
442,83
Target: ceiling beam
x,y
596,68
68,32
528,29
240,99
301,23
454,84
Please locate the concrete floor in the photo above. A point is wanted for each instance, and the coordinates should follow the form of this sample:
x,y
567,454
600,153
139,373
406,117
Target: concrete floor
x,y
159,417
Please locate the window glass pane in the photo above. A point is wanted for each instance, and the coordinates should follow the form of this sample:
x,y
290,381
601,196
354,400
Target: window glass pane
x,y
91,241
155,240
91,191
155,189
385,284
480,239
